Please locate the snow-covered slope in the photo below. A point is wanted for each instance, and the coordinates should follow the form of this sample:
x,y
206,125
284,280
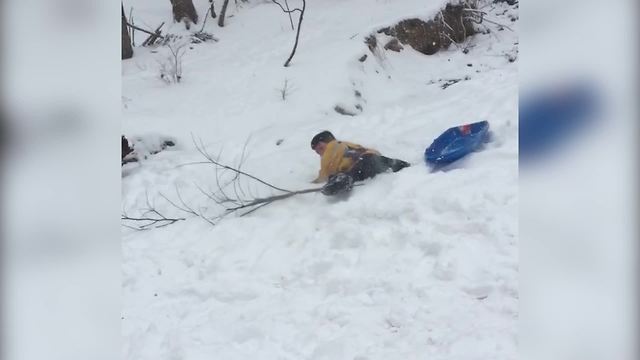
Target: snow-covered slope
x,y
412,265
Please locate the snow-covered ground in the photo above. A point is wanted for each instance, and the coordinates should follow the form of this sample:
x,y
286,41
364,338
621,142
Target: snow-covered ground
x,y
413,265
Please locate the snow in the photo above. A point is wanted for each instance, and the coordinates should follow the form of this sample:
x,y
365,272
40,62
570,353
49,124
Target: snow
x,y
412,265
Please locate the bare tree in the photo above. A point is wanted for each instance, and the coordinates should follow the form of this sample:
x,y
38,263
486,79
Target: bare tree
x,y
184,10
289,12
223,13
127,49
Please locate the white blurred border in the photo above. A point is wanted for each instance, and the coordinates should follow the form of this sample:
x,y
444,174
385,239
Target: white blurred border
x,y
578,207
61,179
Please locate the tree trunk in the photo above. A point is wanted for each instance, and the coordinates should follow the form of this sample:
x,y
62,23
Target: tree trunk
x,y
184,10
223,12
127,49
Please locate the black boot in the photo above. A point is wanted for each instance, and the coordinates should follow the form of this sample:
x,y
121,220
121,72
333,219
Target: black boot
x,y
338,183
394,164
397,165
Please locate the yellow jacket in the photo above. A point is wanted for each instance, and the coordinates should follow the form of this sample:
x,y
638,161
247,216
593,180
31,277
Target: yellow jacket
x,y
339,156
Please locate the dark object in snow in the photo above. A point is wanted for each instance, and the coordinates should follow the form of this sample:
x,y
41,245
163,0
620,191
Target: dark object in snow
x,y
165,144
133,151
279,141
184,10
456,142
371,42
127,49
342,111
126,149
449,82
363,58
338,184
202,36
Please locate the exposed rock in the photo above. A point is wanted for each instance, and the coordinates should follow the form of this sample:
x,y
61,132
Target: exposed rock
x,y
342,111
393,45
371,42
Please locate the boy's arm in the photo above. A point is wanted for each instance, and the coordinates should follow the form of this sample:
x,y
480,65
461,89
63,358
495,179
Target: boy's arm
x,y
322,174
330,162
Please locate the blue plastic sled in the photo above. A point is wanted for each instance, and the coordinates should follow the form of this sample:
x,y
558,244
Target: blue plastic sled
x,y
456,142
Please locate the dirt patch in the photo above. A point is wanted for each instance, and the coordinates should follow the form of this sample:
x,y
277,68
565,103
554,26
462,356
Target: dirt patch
x,y
451,24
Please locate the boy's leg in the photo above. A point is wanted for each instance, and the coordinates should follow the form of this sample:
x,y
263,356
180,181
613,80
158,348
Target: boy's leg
x,y
367,167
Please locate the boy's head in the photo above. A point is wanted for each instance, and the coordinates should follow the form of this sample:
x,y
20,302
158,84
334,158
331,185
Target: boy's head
x,y
320,141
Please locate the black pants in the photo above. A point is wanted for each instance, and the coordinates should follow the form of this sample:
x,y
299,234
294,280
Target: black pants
x,y
369,165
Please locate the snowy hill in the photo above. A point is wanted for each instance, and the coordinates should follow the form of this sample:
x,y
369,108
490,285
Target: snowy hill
x,y
413,265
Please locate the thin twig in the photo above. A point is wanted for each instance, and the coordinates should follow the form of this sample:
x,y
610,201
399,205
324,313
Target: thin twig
x,y
497,23
131,32
290,19
256,208
205,19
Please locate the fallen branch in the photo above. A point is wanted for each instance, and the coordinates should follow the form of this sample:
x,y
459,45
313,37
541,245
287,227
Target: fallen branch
x,y
271,199
146,31
153,37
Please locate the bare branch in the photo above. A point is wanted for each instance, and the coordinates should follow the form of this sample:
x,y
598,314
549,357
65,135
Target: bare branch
x,y
149,222
146,31
295,45
150,218
186,208
287,10
204,22
201,149
497,23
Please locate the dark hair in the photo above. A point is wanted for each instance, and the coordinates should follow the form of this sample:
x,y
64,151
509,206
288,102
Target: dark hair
x,y
324,137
